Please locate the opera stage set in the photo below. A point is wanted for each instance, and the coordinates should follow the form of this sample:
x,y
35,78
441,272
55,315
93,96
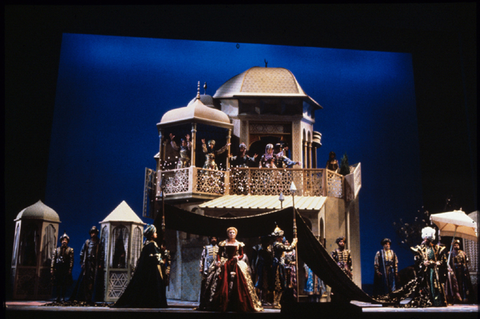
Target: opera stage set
x,y
110,85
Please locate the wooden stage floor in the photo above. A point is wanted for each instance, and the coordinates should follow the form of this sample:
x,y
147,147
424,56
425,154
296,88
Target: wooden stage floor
x,y
178,309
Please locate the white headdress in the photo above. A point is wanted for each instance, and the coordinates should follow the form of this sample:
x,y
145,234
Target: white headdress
x,y
428,232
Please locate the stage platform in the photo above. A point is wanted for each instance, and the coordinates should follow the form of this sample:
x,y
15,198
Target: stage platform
x,y
182,309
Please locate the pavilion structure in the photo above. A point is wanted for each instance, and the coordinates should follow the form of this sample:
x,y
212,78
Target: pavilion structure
x,y
256,107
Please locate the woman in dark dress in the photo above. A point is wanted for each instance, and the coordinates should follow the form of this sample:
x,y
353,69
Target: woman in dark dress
x,y
147,288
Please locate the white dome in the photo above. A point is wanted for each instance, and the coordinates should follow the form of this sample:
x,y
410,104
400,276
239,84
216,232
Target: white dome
x,y
195,111
263,82
39,211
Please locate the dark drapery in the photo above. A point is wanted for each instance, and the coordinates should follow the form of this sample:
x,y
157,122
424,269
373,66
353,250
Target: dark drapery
x,y
309,248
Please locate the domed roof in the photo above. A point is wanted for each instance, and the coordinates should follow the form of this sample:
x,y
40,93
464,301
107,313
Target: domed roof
x,y
196,111
263,81
206,99
39,211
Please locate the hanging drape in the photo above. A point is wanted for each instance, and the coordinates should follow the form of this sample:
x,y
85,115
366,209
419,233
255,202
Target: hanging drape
x,y
119,237
309,248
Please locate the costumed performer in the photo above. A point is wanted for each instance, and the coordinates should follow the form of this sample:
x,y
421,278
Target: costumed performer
x,y
90,284
234,287
386,269
61,267
429,263
207,270
147,288
278,265
459,264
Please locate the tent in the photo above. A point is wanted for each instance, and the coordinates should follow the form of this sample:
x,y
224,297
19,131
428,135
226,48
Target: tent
x,y
309,248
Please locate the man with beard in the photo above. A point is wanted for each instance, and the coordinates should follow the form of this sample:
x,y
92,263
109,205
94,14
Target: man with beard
x,y
343,258
386,269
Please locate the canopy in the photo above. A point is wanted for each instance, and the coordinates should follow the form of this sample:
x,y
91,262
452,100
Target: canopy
x,y
309,248
455,224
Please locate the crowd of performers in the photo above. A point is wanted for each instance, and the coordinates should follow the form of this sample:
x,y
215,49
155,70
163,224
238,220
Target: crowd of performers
x,y
233,282
440,277
178,156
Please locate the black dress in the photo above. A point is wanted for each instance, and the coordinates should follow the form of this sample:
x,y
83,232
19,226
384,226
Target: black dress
x,y
147,288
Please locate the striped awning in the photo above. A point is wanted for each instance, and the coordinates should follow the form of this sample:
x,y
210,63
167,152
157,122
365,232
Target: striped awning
x,y
264,202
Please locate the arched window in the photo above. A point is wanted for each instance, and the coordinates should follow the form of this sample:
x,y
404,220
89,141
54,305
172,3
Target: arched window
x,y
103,242
137,244
119,247
49,244
15,245
29,245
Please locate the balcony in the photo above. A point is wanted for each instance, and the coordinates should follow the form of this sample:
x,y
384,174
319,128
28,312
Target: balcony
x,y
200,183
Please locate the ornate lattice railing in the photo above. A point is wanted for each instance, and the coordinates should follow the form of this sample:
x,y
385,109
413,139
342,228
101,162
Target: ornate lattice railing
x,y
253,181
193,180
209,181
176,180
314,182
334,184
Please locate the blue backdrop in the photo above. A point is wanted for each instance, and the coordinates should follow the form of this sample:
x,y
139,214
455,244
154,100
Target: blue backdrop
x,y
112,91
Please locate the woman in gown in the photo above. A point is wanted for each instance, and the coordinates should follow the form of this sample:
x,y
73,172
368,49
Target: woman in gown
x,y
234,287
147,288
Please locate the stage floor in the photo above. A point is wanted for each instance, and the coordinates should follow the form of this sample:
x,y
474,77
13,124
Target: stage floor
x,y
356,310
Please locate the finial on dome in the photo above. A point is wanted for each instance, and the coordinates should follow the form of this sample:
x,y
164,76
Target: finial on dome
x,y
266,62
205,88
198,91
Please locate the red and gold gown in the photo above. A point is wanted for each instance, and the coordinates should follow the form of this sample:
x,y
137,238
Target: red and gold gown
x,y
234,289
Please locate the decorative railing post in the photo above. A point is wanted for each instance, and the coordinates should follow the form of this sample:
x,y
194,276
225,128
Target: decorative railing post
x,y
226,183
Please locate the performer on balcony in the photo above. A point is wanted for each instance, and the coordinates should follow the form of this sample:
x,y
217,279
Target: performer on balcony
x,y
332,163
278,266
183,150
61,267
210,153
147,288
267,157
386,269
234,286
207,271
281,160
430,261
171,155
242,159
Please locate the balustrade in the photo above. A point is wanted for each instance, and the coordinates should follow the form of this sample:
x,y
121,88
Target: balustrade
x,y
252,181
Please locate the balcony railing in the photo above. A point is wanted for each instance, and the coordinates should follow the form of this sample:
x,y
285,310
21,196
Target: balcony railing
x,y
252,181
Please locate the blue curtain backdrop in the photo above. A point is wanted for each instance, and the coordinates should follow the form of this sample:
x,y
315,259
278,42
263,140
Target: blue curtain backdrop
x,y
112,91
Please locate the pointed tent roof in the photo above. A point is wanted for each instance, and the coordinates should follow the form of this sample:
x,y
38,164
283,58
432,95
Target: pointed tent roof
x,y
123,213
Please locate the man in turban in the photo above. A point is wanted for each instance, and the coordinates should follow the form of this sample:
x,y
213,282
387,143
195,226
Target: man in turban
x,y
430,262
